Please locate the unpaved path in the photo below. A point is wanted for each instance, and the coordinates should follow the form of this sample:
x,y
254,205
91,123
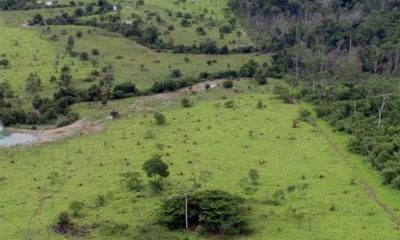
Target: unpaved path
x,y
83,127
371,194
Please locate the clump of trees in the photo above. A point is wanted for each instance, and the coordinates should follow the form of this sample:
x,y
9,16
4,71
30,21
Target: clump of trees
x,y
208,211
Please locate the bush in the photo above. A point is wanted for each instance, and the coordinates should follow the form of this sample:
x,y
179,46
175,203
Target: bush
x,y
186,102
228,84
159,118
229,104
95,52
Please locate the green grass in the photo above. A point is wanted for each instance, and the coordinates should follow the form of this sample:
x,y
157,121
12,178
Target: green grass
x,y
31,51
16,18
214,143
213,11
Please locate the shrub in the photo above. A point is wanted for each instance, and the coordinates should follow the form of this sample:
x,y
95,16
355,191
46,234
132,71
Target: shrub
x,y
95,52
186,102
176,73
159,118
228,84
229,104
132,181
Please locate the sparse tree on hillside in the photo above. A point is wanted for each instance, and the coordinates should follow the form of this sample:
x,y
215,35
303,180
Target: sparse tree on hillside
x,y
155,168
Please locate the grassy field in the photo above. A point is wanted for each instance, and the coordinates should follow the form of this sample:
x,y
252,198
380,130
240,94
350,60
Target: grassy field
x,y
217,144
31,51
213,13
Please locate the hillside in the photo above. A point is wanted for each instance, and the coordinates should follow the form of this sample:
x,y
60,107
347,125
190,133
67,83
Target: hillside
x,y
211,119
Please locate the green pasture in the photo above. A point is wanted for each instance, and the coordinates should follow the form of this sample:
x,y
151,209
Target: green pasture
x,y
219,146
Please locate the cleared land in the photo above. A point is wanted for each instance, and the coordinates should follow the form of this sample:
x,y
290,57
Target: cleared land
x,y
217,144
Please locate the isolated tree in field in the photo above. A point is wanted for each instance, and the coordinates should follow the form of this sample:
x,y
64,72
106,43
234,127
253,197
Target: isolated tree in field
x,y
155,168
159,118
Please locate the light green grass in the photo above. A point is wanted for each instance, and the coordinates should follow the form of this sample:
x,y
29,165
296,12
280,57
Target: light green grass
x,y
16,18
32,51
212,10
205,138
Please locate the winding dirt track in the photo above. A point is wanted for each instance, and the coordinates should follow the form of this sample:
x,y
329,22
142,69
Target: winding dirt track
x,y
369,191
84,127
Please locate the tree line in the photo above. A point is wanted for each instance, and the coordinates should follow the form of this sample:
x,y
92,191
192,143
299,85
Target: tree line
x,y
343,56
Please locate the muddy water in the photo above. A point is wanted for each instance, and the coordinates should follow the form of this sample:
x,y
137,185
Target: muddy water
x,y
13,139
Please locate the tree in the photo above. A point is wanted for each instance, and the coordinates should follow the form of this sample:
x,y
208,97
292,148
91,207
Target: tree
x,y
156,168
212,211
159,118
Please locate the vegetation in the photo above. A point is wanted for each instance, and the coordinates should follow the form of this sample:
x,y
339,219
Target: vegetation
x,y
225,119
209,211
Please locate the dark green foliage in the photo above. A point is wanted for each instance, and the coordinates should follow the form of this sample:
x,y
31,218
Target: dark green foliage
x,y
228,84
4,63
176,73
249,69
156,167
84,56
124,90
114,114
214,210
159,118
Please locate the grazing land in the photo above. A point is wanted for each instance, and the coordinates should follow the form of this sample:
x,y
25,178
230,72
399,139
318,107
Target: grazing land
x,y
207,119
216,144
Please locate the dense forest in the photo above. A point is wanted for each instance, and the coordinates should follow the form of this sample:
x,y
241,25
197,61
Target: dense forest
x,y
343,56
